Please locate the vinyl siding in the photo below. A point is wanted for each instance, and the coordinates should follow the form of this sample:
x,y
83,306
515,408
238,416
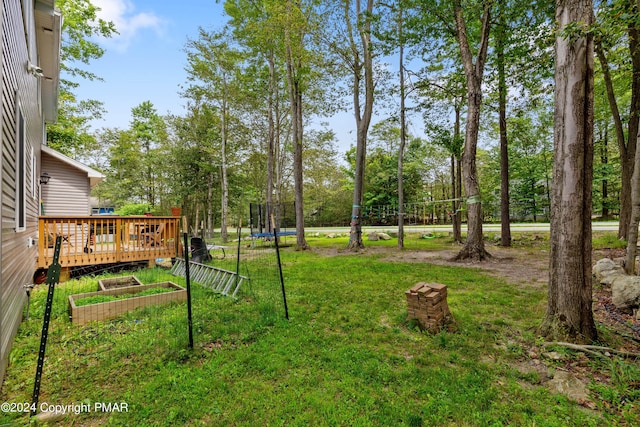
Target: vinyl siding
x,y
67,192
17,260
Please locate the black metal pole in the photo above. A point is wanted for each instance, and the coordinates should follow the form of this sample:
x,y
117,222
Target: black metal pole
x,y
238,251
188,279
284,295
53,276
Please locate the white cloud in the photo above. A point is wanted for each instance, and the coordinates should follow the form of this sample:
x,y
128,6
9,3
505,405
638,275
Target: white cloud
x,y
127,21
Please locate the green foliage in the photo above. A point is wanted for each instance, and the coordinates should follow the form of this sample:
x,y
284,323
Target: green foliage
x,y
70,134
133,209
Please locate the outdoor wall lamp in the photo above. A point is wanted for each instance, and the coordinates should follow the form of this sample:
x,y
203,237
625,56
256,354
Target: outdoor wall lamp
x,y
34,70
44,178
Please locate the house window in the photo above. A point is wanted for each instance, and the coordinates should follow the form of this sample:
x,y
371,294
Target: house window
x,y
21,173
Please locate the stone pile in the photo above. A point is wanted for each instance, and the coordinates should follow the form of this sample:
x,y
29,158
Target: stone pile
x,y
427,303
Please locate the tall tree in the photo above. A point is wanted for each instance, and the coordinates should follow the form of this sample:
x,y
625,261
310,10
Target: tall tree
x,y
359,55
254,25
403,129
500,41
295,32
569,315
473,69
149,131
619,24
215,66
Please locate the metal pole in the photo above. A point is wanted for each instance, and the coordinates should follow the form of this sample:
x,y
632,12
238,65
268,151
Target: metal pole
x,y
284,294
188,279
238,251
53,276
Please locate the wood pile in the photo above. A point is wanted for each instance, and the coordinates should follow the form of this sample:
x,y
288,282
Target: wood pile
x,y
427,303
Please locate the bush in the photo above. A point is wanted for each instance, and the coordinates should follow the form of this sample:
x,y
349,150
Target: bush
x,y
133,209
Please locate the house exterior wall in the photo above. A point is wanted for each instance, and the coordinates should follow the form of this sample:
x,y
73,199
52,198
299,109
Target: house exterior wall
x,y
18,90
67,192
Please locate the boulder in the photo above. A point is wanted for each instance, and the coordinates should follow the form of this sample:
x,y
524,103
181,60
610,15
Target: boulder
x,y
384,236
373,237
569,385
331,236
625,292
606,270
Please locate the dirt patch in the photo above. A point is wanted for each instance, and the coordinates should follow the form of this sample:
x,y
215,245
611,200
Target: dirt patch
x,y
526,267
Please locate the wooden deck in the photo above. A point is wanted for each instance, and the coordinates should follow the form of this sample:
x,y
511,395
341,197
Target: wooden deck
x,y
91,240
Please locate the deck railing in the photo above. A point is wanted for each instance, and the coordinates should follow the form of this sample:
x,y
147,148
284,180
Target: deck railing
x,y
90,240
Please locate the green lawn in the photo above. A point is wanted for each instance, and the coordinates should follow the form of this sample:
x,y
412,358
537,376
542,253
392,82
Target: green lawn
x,y
347,356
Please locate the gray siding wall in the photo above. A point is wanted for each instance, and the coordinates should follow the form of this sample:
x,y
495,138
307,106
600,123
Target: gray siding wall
x,y
67,193
17,259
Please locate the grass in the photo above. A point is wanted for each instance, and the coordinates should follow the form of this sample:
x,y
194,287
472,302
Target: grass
x,y
347,356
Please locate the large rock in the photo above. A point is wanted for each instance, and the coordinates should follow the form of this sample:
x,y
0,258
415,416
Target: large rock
x,y
373,236
384,236
625,292
569,385
606,270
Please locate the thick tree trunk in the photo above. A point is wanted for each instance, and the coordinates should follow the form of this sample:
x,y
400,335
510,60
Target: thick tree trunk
x,y
474,246
569,315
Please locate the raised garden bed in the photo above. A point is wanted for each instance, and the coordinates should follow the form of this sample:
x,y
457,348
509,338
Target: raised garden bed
x,y
118,282
128,301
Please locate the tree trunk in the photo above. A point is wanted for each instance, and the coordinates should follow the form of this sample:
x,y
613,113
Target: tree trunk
x,y
271,137
301,242
632,241
209,208
363,118
569,315
505,214
295,94
457,184
403,137
474,246
224,234
604,159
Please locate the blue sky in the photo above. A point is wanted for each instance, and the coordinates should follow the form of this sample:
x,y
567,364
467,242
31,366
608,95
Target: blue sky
x,y
146,60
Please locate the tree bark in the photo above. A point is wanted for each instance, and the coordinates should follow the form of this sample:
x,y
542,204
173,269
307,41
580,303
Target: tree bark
x,y
569,315
474,246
